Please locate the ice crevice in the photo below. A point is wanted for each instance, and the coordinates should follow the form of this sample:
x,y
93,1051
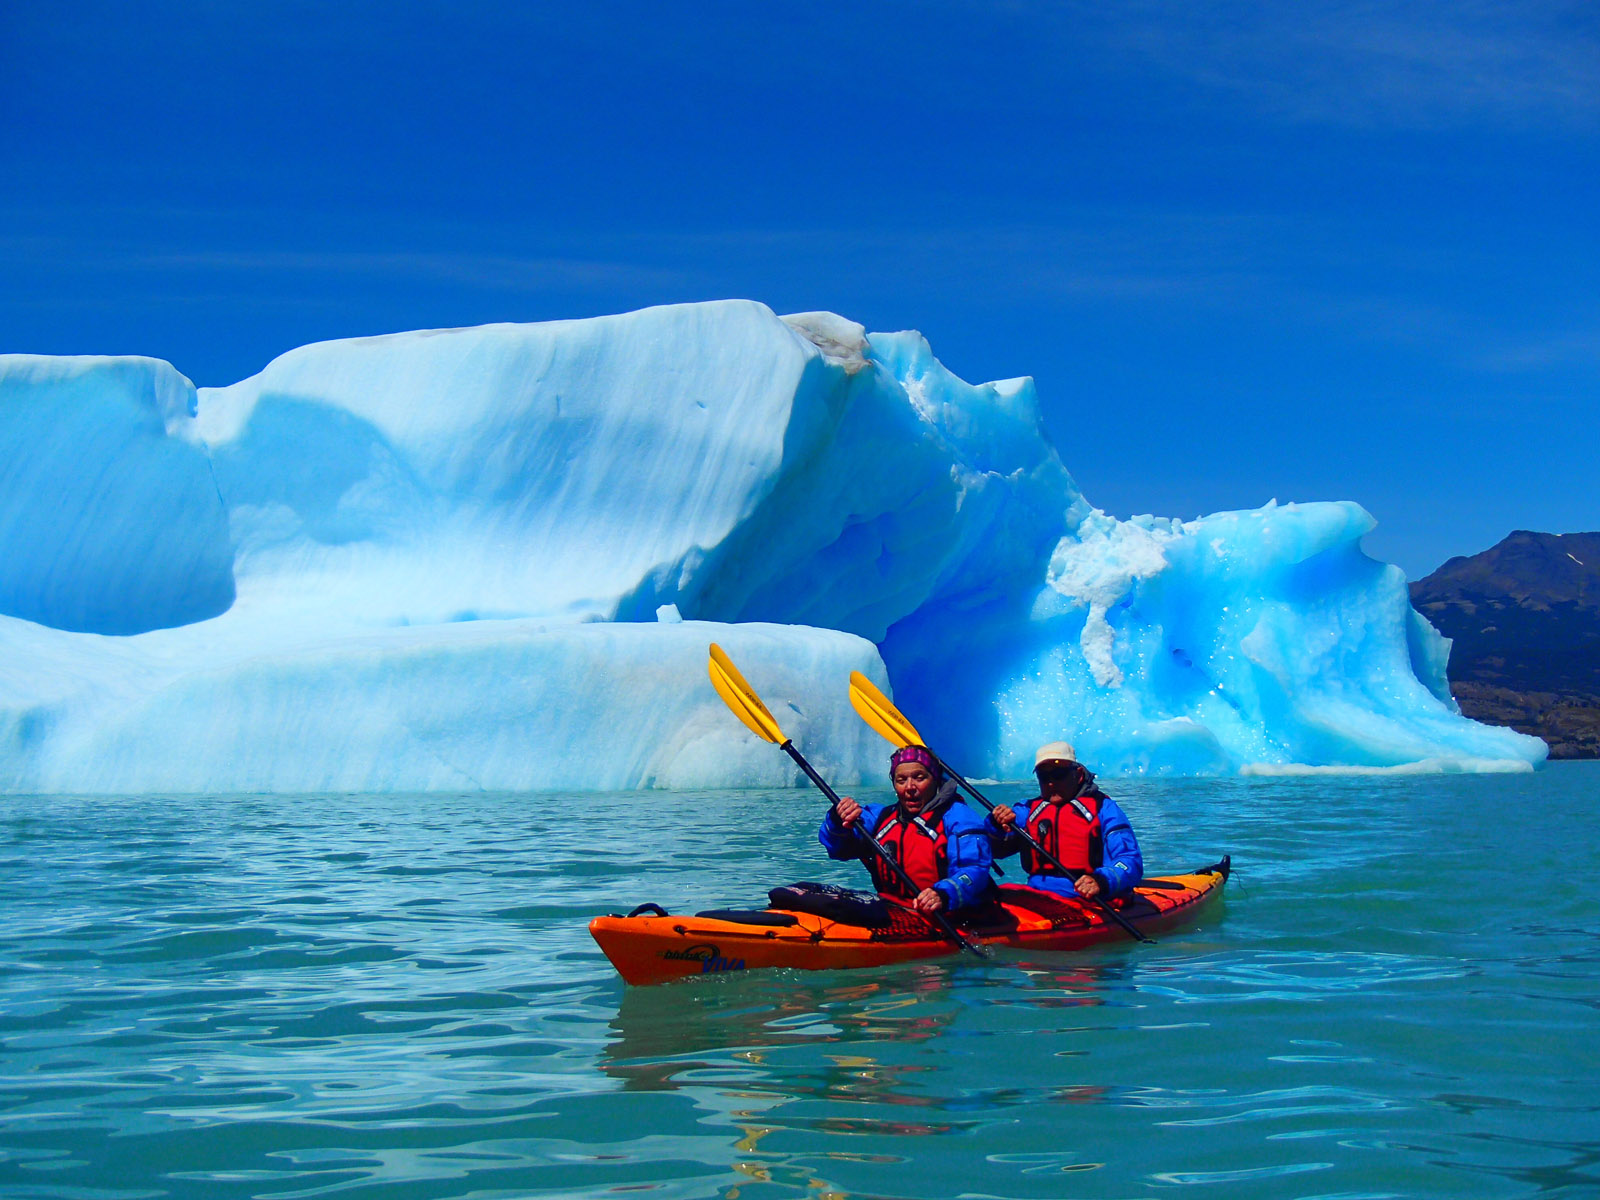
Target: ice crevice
x,y
493,557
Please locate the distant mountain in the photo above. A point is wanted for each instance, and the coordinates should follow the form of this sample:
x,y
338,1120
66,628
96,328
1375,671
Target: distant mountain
x,y
1524,617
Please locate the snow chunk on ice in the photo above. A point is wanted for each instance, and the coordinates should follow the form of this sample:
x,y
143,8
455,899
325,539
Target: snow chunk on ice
x,y
843,343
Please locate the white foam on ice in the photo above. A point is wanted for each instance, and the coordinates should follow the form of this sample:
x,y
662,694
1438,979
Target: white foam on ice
x,y
1095,568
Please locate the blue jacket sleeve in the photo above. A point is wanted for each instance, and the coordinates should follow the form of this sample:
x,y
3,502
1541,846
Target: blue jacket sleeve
x,y
1122,866
1005,842
844,843
967,844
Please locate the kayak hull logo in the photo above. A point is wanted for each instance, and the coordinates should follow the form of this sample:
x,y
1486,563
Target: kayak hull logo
x,y
707,955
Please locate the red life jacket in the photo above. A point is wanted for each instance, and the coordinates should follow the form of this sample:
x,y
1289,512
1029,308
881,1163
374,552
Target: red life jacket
x,y
1070,830
926,859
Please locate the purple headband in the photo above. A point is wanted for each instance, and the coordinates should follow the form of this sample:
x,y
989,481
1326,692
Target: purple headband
x,y
916,754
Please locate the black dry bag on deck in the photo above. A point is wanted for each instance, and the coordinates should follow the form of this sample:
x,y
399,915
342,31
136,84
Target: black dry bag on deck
x,y
831,901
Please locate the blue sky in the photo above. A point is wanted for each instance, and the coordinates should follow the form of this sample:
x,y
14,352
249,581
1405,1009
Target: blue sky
x,y
1248,250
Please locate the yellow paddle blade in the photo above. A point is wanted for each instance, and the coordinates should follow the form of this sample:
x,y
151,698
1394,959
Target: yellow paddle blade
x,y
741,697
879,711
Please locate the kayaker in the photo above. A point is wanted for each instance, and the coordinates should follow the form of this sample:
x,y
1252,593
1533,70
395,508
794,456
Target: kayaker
x,y
941,843
1076,822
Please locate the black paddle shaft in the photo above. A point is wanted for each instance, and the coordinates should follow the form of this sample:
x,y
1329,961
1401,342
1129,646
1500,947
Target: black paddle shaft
x,y
1055,862
938,919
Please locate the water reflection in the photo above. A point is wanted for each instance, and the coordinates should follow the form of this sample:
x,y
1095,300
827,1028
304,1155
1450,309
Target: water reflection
x,y
665,1038
788,1037
1045,985
775,1009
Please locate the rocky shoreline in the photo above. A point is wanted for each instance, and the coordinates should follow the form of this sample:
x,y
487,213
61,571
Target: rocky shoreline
x,y
1569,725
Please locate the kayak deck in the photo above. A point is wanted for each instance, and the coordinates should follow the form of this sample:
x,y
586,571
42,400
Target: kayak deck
x,y
648,949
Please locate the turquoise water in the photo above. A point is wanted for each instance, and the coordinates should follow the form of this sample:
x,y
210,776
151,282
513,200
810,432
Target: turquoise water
x,y
378,996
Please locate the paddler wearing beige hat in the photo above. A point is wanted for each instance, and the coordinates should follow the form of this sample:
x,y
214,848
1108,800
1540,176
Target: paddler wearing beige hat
x,y
1081,827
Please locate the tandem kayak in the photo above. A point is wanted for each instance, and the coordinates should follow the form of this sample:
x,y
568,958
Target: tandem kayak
x,y
655,947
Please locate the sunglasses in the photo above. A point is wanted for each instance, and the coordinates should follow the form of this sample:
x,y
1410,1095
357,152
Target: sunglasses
x,y
1056,774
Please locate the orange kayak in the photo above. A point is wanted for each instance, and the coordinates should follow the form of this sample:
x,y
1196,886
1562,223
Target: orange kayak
x,y
657,948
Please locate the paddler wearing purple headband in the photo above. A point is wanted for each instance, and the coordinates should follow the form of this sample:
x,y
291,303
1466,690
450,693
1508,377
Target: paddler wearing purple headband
x,y
932,834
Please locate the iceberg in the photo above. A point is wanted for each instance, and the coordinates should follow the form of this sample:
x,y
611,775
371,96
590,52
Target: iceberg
x,y
493,558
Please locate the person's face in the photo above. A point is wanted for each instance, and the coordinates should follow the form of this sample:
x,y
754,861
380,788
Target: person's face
x,y
1058,780
914,784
